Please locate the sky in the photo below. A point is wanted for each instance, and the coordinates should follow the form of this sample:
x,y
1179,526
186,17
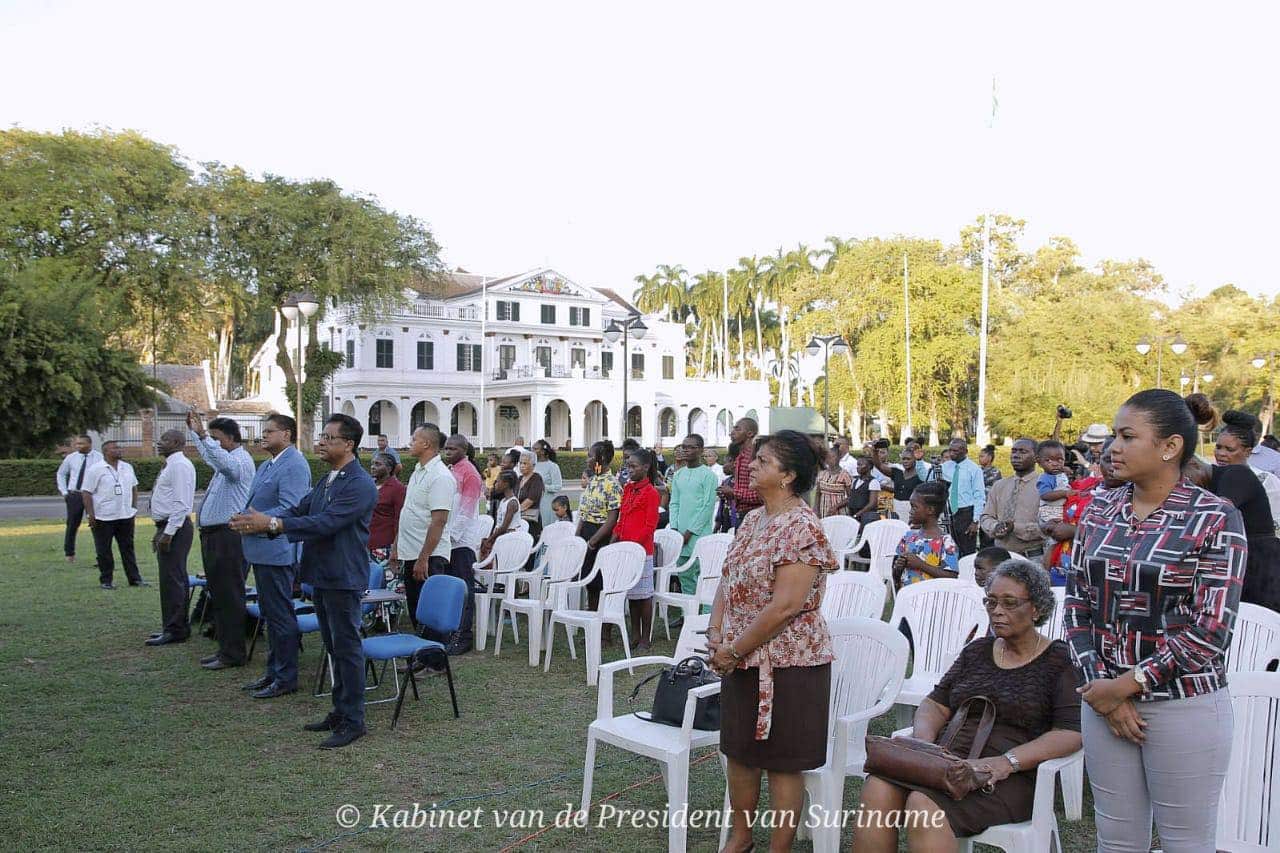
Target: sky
x,y
605,138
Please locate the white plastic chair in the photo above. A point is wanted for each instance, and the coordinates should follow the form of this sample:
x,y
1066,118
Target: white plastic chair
x,y
870,662
965,570
842,533
883,537
850,594
563,561
551,534
1249,810
620,565
668,745
1041,832
941,613
510,551
1054,628
1255,641
709,553
902,509
669,543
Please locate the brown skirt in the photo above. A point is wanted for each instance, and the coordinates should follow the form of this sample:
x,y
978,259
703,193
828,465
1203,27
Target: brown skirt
x,y
798,736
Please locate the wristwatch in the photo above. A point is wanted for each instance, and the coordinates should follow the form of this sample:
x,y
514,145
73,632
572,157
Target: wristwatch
x,y
1013,761
1141,677
273,526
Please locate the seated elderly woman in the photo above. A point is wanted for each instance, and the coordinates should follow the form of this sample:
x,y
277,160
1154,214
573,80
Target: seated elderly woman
x,y
1033,684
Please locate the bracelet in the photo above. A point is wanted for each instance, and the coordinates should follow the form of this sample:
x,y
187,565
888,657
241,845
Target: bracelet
x,y
733,653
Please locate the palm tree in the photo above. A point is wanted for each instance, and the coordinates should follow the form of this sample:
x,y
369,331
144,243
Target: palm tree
x,y
753,283
675,287
650,296
705,297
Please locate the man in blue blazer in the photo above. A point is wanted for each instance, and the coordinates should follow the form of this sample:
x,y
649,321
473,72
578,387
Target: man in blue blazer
x,y
279,485
332,522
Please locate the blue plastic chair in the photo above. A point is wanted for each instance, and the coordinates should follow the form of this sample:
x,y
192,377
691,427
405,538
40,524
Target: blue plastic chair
x,y
309,623
440,610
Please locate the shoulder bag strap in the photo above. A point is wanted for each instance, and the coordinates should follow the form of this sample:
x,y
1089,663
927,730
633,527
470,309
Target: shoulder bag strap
x,y
985,725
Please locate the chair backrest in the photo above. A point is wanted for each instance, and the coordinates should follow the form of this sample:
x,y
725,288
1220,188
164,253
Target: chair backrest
x,y
1054,628
1255,640
965,569
554,532
669,543
620,565
841,530
870,664
563,562
519,525
710,552
884,535
902,509
511,551
941,614
377,576
851,594
481,527
309,591
1249,808
440,603
690,641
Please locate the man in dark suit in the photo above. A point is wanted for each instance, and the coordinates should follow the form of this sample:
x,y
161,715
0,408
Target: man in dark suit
x,y
279,485
332,522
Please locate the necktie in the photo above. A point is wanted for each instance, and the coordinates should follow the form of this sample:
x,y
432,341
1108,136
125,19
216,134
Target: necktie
x,y
80,477
955,488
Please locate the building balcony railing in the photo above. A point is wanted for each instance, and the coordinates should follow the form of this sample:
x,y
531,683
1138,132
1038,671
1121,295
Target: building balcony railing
x,y
555,371
444,312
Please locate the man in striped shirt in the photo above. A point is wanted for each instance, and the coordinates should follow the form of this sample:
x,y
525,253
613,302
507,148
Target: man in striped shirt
x,y
220,546
740,494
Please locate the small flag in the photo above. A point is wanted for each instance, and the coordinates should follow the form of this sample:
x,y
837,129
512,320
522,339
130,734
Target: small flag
x,y
995,104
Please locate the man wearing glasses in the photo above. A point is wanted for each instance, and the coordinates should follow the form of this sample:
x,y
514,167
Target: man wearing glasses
x,y
279,485
332,522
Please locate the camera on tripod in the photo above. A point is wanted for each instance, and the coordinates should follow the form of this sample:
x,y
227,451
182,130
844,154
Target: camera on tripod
x,y
1064,412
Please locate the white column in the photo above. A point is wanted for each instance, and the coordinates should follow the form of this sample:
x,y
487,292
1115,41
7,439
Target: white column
x,y
404,407
537,417
489,413
577,425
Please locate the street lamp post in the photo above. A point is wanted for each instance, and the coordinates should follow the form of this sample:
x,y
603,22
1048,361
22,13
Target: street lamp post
x,y
1260,361
298,309
826,344
632,324
1177,345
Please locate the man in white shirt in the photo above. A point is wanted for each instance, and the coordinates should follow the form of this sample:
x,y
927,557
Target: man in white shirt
x,y
518,447
172,499
1264,458
422,544
712,460
110,495
70,482
848,462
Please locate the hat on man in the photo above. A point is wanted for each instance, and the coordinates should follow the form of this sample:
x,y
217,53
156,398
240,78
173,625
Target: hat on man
x,y
1096,434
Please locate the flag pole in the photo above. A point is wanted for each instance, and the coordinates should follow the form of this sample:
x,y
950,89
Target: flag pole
x,y
984,437
906,313
484,316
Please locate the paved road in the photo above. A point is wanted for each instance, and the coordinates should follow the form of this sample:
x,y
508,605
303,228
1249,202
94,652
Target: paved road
x,y
53,507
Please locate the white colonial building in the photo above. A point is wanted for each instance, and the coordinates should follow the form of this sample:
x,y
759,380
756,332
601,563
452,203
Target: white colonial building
x,y
538,366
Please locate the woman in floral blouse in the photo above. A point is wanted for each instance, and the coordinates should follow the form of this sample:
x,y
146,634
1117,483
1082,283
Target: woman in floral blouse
x,y
1156,573
769,641
598,511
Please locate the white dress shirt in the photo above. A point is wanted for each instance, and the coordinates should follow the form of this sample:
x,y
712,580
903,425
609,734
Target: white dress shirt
x,y
1265,458
431,487
174,494
111,490
69,470
849,464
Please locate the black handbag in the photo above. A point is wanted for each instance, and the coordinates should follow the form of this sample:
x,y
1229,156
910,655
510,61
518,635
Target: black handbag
x,y
674,684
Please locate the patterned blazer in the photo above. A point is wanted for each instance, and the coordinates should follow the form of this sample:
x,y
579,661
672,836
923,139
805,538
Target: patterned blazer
x,y
1160,594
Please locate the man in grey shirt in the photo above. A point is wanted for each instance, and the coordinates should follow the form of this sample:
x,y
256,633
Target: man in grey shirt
x,y
172,498
1011,514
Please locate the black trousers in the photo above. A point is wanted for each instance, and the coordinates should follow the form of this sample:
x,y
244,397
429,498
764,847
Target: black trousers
x,y
462,565
173,580
224,569
413,586
121,530
75,514
961,520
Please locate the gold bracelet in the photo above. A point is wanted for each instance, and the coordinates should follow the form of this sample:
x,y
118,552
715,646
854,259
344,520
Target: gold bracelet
x,y
733,652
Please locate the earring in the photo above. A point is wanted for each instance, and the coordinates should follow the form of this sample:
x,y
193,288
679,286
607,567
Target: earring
x,y
1166,458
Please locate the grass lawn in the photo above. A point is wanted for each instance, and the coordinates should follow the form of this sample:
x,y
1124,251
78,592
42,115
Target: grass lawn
x,y
109,745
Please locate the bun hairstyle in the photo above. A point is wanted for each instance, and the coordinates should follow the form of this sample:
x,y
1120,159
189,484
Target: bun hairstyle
x,y
1171,415
1205,413
990,450
603,450
796,454
1244,426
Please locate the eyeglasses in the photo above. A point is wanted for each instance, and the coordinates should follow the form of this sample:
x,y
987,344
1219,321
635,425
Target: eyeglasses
x,y
270,430
1005,602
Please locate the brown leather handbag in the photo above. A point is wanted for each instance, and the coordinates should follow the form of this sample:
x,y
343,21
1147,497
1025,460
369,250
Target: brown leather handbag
x,y
933,765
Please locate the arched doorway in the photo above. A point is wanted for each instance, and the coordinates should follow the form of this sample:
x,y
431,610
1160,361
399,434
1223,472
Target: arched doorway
x,y
724,423
465,420
633,423
424,412
506,425
595,423
667,423
698,422
556,426
384,419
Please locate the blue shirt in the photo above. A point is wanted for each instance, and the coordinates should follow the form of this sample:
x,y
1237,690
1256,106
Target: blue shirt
x,y
390,451
228,491
967,486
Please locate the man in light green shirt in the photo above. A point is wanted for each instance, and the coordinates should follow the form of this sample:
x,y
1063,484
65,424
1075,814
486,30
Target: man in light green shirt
x,y
693,505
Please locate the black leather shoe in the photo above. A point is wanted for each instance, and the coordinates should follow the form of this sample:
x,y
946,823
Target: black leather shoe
x,y
208,659
325,725
108,586
258,683
344,736
140,583
273,690
219,663
165,639
457,647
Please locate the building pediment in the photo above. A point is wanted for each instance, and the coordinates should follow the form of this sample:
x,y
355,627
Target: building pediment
x,y
546,283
